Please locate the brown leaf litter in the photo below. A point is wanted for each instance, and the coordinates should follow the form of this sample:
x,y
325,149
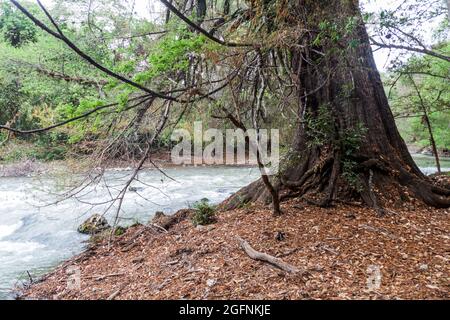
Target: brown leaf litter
x,y
341,250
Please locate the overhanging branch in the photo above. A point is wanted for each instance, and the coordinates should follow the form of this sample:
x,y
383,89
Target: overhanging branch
x,y
412,49
60,76
60,35
200,29
63,123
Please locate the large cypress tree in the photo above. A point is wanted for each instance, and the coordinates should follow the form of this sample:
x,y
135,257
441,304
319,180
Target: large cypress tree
x,y
346,144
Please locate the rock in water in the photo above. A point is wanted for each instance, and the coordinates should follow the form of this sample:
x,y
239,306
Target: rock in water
x,y
94,225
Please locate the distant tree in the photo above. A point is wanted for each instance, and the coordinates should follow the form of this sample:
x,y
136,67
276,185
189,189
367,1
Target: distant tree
x,y
405,28
419,91
15,27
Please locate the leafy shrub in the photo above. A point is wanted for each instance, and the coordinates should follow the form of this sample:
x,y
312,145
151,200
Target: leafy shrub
x,y
48,154
204,213
17,29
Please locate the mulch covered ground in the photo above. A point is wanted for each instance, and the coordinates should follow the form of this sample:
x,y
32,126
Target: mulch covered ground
x,y
341,248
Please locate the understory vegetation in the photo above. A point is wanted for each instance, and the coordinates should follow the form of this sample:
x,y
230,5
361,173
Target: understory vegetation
x,y
418,90
204,213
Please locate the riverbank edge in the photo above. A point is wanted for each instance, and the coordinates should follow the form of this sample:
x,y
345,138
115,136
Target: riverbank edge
x,y
32,168
160,159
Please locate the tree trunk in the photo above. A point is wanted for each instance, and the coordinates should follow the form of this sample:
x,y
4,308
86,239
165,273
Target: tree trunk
x,y
427,121
201,11
432,141
347,144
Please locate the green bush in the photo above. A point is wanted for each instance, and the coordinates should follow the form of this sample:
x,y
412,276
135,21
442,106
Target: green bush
x,y
204,213
17,29
50,153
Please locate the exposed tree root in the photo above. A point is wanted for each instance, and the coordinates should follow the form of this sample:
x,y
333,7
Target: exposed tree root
x,y
373,197
323,184
432,195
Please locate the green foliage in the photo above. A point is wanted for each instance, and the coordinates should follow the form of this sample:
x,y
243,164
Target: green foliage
x,y
17,29
351,143
48,153
320,126
172,55
349,173
352,138
10,97
30,99
430,77
119,231
204,213
331,32
40,150
125,67
118,42
49,147
417,132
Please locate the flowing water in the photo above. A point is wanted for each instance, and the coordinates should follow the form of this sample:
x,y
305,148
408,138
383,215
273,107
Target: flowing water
x,y
35,237
36,234
428,163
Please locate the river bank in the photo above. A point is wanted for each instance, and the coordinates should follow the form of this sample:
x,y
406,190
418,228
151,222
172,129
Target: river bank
x,y
160,159
345,252
192,184
31,167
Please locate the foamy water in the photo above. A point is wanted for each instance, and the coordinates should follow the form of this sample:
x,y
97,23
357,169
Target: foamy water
x,y
15,247
34,238
6,230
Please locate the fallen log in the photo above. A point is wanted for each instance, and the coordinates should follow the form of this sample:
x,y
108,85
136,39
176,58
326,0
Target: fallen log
x,y
264,257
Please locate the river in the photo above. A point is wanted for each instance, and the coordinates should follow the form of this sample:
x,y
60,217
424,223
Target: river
x,y
36,234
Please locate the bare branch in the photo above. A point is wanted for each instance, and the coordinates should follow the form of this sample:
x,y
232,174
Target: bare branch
x,y
200,29
59,75
264,257
59,35
60,124
412,49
